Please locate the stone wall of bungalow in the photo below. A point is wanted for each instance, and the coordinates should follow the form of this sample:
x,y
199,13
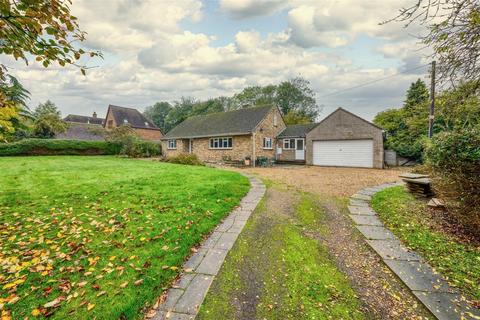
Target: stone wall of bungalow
x,y
286,154
242,145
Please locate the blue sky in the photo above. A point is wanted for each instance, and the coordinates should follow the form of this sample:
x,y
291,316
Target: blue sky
x,y
163,50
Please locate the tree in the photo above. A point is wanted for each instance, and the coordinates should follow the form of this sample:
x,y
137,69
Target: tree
x,y
47,125
181,110
48,107
416,94
453,29
158,114
13,106
456,109
209,106
255,96
296,95
293,117
42,29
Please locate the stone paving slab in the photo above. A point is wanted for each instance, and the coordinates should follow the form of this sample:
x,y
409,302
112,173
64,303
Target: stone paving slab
x,y
447,306
363,220
376,232
392,249
361,210
186,295
429,287
418,276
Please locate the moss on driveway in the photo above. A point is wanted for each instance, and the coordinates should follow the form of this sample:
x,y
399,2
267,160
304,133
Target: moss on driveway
x,y
279,270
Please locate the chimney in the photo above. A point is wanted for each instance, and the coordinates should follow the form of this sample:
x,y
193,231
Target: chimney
x,y
94,114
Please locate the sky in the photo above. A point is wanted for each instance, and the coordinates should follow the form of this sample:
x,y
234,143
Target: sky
x,y
161,50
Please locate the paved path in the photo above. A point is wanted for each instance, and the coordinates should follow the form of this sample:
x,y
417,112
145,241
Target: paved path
x,y
185,297
428,286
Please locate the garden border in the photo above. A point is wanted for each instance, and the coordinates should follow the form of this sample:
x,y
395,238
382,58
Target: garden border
x,y
185,297
434,292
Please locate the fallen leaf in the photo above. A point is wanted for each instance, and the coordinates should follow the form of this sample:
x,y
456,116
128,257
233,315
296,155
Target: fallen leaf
x,y
90,306
138,282
35,312
123,285
101,293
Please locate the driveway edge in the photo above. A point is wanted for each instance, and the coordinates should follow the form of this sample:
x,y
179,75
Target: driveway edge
x,y
185,297
434,292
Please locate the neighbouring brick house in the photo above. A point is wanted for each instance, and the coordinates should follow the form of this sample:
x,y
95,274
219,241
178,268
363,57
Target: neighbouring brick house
x,y
118,116
83,128
233,135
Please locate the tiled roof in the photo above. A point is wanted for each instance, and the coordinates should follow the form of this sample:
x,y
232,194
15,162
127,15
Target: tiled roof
x,y
130,116
83,131
83,119
235,122
297,130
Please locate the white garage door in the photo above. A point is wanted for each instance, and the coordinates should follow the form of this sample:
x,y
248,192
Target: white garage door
x,y
343,153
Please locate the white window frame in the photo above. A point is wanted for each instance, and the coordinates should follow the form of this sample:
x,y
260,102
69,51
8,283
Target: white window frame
x,y
290,145
267,143
172,144
220,143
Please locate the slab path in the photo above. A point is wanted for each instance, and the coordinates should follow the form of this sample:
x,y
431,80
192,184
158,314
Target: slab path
x,y
185,297
443,301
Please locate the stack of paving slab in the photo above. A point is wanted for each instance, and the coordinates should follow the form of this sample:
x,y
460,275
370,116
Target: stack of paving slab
x,y
443,301
418,184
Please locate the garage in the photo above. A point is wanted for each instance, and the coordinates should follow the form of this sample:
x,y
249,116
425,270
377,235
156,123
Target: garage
x,y
343,153
343,139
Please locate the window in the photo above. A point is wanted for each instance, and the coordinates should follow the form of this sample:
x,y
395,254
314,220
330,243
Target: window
x,y
125,121
172,144
110,124
267,143
221,143
288,143
146,124
274,119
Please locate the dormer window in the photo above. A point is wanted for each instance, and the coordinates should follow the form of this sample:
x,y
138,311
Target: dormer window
x,y
146,124
125,121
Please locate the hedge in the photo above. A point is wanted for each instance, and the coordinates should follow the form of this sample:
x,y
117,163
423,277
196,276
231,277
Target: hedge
x,y
454,160
59,147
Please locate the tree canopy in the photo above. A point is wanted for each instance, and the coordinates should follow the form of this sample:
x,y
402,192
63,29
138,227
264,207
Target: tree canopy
x,y
456,109
295,99
47,121
453,29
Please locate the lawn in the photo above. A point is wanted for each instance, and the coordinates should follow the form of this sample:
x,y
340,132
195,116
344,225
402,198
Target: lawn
x,y
279,270
101,237
409,220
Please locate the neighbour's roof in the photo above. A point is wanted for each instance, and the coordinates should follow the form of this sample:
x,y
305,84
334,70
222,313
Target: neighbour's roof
x,y
130,116
83,119
297,130
83,131
236,122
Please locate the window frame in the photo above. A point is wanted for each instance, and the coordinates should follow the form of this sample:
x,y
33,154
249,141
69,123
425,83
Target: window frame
x,y
220,143
265,146
171,142
290,145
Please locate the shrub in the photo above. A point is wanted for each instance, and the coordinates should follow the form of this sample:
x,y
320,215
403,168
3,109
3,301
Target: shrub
x,y
185,158
58,147
138,148
454,161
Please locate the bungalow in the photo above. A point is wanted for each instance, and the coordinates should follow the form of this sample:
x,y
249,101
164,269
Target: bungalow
x,y
233,135
341,139
118,116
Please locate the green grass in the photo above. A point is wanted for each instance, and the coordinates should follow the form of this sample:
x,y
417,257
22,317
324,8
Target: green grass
x,y
408,219
297,278
102,236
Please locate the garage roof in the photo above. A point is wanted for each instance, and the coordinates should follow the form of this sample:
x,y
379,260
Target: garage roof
x,y
296,130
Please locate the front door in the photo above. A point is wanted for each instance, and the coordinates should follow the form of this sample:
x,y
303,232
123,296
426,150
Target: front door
x,y
299,149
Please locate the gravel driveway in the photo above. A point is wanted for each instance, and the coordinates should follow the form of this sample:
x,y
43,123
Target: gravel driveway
x,y
328,181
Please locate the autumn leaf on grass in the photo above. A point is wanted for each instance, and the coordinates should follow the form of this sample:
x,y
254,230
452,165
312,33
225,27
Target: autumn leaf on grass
x,y
101,293
138,282
123,285
90,306
36,312
53,303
